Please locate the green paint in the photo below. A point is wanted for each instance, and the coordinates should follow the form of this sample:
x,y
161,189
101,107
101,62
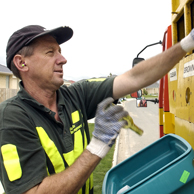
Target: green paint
x,y
184,176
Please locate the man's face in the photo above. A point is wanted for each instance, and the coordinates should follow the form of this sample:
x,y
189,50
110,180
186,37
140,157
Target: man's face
x,y
46,64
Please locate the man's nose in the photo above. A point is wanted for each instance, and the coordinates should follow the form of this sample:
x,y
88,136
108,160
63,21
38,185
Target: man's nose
x,y
61,60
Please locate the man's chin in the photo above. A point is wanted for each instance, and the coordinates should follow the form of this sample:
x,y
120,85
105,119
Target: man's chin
x,y
58,84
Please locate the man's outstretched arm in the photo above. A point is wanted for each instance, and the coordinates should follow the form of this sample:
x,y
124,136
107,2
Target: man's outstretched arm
x,y
147,72
153,69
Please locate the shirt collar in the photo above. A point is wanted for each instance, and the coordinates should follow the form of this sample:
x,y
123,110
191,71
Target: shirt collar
x,y
25,96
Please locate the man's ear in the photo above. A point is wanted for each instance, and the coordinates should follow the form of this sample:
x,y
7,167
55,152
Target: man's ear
x,y
20,63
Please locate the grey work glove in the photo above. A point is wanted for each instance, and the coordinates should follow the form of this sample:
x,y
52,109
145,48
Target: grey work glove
x,y
107,127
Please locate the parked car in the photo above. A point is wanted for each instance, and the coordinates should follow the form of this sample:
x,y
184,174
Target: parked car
x,y
121,100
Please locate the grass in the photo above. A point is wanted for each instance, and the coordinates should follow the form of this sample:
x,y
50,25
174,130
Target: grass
x,y
145,96
149,96
104,165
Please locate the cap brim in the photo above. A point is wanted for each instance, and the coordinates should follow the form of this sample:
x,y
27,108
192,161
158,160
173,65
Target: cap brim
x,y
61,34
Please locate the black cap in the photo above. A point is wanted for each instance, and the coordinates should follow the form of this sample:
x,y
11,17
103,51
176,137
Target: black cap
x,y
25,35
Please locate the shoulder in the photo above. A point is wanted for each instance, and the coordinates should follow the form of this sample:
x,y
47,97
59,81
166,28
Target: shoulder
x,y
11,109
95,82
10,103
89,87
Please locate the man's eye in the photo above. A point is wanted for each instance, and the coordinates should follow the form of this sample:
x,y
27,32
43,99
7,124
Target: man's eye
x,y
50,52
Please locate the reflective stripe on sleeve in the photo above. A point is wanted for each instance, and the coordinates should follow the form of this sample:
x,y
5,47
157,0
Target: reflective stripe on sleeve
x,y
51,150
11,161
96,80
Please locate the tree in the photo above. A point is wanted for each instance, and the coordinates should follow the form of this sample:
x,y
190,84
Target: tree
x,y
145,92
110,75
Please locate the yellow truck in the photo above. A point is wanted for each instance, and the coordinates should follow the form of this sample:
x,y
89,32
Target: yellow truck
x,y
177,112
167,165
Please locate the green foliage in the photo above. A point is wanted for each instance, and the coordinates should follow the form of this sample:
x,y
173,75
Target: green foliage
x,y
128,96
104,165
145,96
110,75
145,92
149,96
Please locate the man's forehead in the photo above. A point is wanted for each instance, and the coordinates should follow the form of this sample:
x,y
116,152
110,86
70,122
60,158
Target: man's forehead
x,y
45,38
46,41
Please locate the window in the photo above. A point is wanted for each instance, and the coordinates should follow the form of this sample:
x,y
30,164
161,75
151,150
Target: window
x,y
192,15
181,28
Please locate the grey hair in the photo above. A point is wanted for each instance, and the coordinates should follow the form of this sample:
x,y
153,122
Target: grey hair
x,y
26,51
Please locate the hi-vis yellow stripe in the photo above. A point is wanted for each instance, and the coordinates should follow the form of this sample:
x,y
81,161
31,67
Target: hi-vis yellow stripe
x,y
91,181
85,140
71,156
75,116
11,161
51,150
96,80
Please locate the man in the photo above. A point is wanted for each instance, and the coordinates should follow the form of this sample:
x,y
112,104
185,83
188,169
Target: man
x,y
45,145
44,128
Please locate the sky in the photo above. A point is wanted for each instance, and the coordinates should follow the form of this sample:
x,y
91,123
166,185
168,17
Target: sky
x,y
108,34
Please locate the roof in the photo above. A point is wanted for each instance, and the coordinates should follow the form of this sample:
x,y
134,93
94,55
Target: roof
x,y
5,70
71,81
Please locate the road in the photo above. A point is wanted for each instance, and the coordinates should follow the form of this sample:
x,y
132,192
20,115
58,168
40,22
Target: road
x,y
147,119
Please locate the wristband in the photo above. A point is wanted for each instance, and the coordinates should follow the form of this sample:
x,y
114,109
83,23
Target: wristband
x,y
98,147
187,43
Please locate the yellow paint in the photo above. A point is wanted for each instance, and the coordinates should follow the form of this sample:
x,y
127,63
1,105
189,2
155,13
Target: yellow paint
x,y
180,7
185,110
160,116
180,119
185,129
174,33
168,123
187,15
172,91
178,4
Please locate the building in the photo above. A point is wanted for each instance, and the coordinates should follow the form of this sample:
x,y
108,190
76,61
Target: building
x,y
153,89
7,79
8,83
67,82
